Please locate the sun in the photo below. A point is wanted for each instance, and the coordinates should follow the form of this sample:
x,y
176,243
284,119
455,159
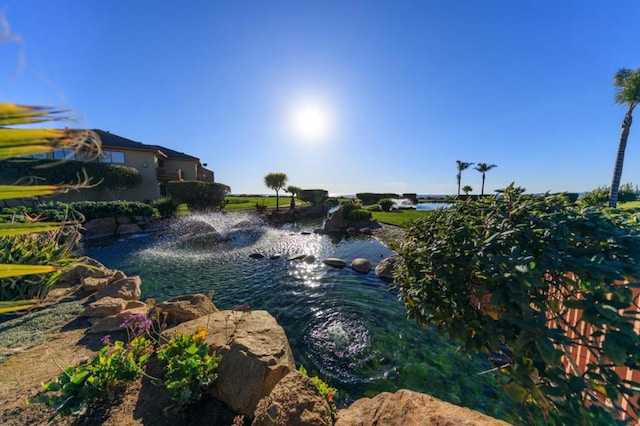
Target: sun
x,y
310,122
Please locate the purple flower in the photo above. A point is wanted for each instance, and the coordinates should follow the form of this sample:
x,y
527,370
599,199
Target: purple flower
x,y
106,340
138,323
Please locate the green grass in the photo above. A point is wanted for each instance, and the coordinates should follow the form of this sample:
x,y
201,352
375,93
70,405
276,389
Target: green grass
x,y
235,203
401,218
629,205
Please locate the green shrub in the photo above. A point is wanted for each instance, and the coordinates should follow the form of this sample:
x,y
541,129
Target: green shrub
x,y
313,196
106,175
353,212
101,209
386,204
600,195
501,273
167,207
198,195
373,208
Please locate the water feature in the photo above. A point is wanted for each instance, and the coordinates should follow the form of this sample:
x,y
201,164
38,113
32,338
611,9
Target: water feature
x,y
344,326
432,206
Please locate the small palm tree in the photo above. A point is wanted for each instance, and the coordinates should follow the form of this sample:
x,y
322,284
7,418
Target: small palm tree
x,y
467,189
276,181
627,83
484,168
461,166
294,191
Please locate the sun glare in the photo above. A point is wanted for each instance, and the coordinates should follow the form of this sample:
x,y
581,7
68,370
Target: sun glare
x,y
310,122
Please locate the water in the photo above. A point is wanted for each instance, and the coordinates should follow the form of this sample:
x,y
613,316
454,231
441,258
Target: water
x,y
431,206
342,325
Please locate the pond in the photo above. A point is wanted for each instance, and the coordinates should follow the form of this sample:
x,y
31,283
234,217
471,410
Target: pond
x,y
342,325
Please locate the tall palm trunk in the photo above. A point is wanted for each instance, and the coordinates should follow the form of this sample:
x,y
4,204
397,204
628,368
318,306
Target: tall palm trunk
x,y
482,189
459,176
622,146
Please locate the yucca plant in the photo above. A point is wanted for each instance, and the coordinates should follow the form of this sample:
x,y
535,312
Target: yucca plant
x,y
35,252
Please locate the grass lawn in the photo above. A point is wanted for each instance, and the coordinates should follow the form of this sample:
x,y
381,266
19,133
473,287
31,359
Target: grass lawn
x,y
629,205
235,203
401,218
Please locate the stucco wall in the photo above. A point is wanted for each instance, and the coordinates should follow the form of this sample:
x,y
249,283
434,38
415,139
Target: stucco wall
x,y
189,168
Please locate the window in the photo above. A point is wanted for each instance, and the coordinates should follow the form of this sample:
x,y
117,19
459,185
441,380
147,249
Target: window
x,y
112,157
64,154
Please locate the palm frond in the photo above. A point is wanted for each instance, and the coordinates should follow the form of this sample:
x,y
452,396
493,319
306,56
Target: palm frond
x,y
9,192
17,305
11,114
11,270
7,229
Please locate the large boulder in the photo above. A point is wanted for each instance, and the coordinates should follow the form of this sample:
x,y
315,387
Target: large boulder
x,y
85,267
114,322
93,284
335,222
335,262
409,408
100,227
385,268
295,401
183,308
255,356
361,264
104,307
126,288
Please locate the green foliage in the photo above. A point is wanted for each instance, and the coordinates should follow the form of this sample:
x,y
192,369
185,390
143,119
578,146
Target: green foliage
x,y
190,365
325,390
167,207
199,196
354,212
373,208
105,175
313,196
600,195
56,248
261,208
78,387
386,204
101,209
500,273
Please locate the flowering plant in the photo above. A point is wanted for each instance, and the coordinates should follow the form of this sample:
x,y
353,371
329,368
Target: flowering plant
x,y
190,364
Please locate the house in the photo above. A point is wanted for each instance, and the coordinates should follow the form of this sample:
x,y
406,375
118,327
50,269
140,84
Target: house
x,y
156,165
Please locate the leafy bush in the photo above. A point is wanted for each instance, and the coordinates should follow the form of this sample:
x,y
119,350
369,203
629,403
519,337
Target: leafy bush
x,y
101,209
190,365
167,207
600,195
198,195
353,212
499,275
313,196
106,175
386,204
56,248
325,390
374,208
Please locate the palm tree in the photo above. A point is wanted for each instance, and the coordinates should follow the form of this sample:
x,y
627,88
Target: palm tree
x,y
294,191
627,83
461,166
276,181
484,168
467,189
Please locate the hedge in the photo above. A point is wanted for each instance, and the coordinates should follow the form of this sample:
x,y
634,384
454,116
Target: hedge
x,y
199,195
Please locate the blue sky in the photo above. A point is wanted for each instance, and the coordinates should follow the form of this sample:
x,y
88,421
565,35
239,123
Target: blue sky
x,y
408,87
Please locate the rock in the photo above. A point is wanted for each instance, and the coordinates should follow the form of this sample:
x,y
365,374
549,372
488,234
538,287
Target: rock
x,y
365,231
298,256
295,401
408,408
126,288
361,264
100,227
93,284
256,256
305,233
255,356
183,308
385,268
104,307
113,322
120,220
157,225
335,262
128,228
352,230
86,267
335,222
131,304
309,259
275,256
